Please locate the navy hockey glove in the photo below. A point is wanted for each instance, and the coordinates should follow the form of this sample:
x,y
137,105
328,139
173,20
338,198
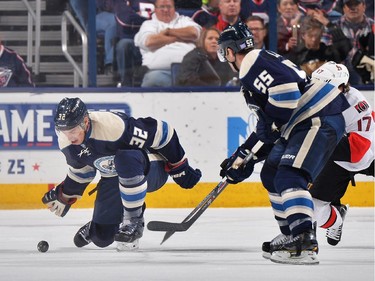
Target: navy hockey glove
x,y
233,169
267,131
55,201
184,175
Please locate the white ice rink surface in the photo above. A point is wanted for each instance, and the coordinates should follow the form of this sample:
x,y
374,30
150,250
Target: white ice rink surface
x,y
223,245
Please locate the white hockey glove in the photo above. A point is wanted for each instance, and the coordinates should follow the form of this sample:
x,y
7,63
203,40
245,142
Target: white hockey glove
x,y
57,201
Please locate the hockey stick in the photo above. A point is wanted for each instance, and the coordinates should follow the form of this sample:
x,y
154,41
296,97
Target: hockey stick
x,y
171,227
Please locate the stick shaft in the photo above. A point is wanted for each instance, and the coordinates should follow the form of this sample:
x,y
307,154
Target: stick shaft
x,y
171,228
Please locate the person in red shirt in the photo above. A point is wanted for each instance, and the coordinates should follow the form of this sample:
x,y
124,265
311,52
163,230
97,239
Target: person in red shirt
x,y
229,13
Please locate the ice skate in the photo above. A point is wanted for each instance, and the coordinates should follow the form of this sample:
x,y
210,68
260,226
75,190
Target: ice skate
x,y
275,244
129,233
334,234
82,237
301,249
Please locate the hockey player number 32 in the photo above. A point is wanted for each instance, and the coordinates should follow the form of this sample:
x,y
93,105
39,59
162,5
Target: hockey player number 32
x,y
139,137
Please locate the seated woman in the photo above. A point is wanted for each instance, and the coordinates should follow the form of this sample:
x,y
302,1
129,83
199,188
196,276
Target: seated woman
x,y
311,53
201,66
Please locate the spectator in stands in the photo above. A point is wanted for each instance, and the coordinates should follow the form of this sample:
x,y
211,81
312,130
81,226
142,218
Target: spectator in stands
x,y
163,40
229,13
287,25
258,8
201,66
13,70
106,26
311,53
369,8
327,7
364,59
259,31
355,24
207,15
129,17
80,10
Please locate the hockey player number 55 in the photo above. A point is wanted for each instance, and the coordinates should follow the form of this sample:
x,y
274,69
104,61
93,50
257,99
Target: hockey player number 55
x,y
263,81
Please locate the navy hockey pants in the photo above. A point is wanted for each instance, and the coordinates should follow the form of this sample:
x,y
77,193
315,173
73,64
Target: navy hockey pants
x,y
305,153
295,162
108,209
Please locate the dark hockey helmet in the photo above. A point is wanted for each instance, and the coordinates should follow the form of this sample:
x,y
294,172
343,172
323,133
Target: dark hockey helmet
x,y
69,113
238,37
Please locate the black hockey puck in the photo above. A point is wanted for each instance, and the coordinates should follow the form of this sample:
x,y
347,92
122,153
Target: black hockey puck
x,y
43,246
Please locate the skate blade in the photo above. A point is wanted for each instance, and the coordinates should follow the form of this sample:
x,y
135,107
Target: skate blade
x,y
127,247
266,255
306,258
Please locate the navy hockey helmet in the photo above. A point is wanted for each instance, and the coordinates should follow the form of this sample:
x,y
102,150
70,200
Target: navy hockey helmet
x,y
237,37
70,113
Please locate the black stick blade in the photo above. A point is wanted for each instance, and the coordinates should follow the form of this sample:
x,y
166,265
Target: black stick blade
x,y
166,226
167,235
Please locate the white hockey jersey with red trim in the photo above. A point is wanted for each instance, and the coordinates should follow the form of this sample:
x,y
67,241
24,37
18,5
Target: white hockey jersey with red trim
x,y
360,125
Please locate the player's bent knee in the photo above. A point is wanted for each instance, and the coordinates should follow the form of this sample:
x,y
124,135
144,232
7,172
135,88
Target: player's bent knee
x,y
289,177
102,235
131,162
267,176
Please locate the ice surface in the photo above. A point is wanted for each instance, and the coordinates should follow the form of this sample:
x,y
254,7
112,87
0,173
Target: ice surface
x,y
224,244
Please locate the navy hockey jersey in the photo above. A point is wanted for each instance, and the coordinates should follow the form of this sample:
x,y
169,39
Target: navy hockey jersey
x,y
283,91
108,133
17,73
130,15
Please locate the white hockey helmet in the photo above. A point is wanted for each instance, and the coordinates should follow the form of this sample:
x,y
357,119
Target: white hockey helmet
x,y
333,73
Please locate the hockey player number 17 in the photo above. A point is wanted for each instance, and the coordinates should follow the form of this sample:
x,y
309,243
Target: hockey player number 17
x,y
365,128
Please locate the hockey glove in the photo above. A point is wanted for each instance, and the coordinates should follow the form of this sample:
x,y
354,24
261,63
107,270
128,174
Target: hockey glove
x,y
56,202
267,131
184,175
233,167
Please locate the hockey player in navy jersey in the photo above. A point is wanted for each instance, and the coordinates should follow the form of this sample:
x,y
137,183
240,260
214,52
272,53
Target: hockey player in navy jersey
x,y
353,155
133,157
304,121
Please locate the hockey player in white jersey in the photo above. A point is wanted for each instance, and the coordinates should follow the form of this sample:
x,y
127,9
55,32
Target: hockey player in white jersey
x,y
304,121
133,156
353,155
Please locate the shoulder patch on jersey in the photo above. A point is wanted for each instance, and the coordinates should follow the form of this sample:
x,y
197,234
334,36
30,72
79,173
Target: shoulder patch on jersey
x,y
362,106
106,126
248,62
